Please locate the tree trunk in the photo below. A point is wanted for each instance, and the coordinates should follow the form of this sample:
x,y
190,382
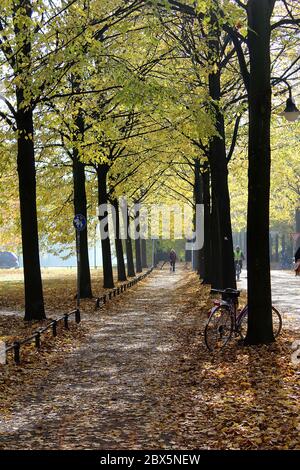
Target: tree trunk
x,y
297,219
271,247
221,228
80,207
34,301
128,244
118,244
108,280
207,227
283,253
223,272
260,329
198,199
138,257
144,253
277,248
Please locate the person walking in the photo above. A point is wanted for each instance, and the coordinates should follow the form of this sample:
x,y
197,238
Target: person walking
x,y
173,258
238,261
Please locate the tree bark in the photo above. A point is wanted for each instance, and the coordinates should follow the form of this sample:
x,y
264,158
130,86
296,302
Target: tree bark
x,y
223,259
118,244
138,257
128,244
108,280
207,227
260,329
144,253
34,301
223,272
297,219
277,248
80,207
198,199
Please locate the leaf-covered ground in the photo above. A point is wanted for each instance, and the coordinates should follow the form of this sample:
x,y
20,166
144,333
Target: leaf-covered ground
x,y
136,375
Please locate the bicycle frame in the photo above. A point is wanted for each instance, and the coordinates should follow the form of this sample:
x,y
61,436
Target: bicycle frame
x,y
233,307
230,301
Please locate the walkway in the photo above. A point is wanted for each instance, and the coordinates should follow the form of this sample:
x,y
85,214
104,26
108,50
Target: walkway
x,y
98,398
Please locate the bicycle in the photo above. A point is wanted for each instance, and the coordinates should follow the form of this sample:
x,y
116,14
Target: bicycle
x,y
224,320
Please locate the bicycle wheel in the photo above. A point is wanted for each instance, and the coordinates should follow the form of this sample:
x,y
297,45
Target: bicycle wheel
x,y
243,325
276,320
219,328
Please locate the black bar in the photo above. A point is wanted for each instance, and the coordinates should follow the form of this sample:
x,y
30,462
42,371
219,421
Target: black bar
x,y
200,459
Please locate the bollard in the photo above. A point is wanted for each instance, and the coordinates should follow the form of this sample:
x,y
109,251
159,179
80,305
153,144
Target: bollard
x,y
77,316
17,352
104,299
38,340
66,318
54,329
97,303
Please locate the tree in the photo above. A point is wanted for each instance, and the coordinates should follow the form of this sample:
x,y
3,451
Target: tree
x,y
20,30
259,284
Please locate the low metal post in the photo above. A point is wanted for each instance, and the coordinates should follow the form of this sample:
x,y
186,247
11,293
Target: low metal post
x,y
17,352
38,340
54,328
77,316
66,318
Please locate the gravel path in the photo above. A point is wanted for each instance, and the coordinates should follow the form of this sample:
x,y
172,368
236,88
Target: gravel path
x,y
98,398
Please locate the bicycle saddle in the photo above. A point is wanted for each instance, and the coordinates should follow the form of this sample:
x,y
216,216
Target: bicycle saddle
x,y
226,292
229,290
